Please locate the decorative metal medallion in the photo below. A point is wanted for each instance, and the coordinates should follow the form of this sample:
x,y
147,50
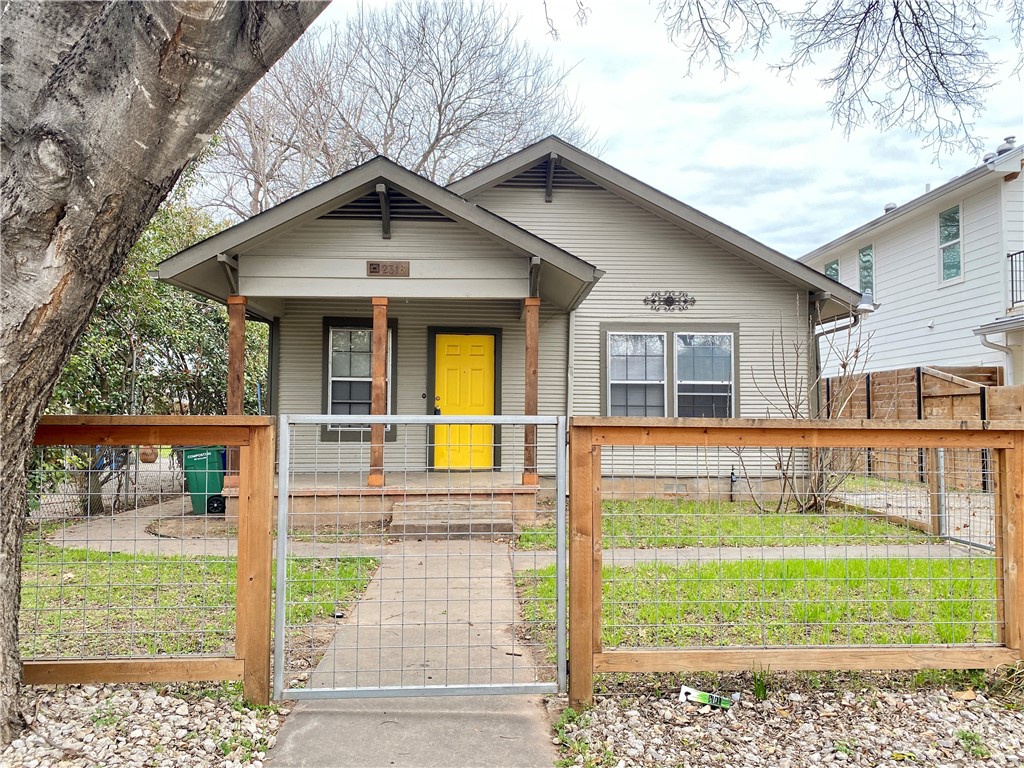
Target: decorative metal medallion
x,y
670,301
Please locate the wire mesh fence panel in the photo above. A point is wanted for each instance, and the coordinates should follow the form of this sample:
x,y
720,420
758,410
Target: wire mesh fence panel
x,y
425,563
790,547
125,554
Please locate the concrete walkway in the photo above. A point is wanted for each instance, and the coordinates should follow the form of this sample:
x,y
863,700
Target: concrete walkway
x,y
435,613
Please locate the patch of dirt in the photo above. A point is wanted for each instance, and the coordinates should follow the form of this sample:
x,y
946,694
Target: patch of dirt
x,y
192,527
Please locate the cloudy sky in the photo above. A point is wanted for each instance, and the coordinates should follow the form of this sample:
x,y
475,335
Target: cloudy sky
x,y
753,151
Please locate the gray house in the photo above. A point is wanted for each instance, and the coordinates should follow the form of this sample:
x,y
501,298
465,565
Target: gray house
x,y
549,282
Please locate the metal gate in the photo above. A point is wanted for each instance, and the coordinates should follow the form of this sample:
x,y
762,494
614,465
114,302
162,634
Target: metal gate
x,y
395,577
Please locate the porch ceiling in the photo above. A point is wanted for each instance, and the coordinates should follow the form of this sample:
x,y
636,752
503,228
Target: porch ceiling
x,y
209,268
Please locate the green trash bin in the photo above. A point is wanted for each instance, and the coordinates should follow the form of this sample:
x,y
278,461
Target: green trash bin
x,y
204,473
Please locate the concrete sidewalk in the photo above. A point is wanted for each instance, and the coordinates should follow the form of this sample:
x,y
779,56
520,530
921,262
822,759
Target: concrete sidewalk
x,y
435,732
435,613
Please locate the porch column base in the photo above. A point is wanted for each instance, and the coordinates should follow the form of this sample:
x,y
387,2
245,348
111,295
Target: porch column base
x,y
530,478
375,480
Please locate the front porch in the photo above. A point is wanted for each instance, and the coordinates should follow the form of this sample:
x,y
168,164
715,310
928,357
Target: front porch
x,y
415,504
389,295
323,487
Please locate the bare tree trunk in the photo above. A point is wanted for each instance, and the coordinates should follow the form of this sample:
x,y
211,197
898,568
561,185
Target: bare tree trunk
x,y
104,104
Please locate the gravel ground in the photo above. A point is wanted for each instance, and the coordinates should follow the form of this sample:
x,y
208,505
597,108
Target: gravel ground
x,y
879,721
137,725
883,721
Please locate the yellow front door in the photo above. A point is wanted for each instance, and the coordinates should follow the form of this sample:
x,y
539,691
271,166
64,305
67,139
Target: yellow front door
x,y
464,386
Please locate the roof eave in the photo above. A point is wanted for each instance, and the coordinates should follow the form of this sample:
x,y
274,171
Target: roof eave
x,y
658,203
1002,164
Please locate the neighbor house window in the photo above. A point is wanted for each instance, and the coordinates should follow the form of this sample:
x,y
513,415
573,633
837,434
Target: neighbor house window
x,y
703,375
832,270
950,252
866,269
348,371
636,374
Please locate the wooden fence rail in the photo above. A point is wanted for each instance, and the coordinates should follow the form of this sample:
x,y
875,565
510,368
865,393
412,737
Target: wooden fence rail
x,y
587,437
254,438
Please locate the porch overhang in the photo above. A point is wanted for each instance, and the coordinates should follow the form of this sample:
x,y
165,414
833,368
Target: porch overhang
x,y
564,279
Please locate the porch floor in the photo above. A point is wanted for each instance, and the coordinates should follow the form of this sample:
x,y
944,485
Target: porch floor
x,y
403,482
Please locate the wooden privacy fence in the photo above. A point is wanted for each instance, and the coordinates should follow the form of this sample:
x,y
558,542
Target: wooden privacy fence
x,y
980,630
253,437
927,394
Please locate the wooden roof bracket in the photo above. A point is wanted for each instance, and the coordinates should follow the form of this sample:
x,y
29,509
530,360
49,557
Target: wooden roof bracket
x,y
535,276
230,264
385,211
549,184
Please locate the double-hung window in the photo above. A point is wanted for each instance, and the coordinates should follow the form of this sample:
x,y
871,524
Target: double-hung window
x,y
348,372
351,383
950,252
645,367
704,375
636,374
866,269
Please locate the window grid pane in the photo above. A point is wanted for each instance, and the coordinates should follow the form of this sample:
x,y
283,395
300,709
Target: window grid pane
x,y
704,373
350,375
951,264
636,374
832,270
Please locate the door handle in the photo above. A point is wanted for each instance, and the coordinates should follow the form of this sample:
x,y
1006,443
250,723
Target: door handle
x,y
437,411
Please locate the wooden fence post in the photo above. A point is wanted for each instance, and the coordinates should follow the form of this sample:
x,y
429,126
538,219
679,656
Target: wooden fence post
x,y
1010,542
581,575
255,554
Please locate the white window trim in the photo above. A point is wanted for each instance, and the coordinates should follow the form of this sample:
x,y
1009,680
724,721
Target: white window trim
x,y
331,378
732,367
938,236
664,382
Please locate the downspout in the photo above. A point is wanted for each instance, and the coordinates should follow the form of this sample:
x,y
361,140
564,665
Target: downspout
x,y
855,316
983,338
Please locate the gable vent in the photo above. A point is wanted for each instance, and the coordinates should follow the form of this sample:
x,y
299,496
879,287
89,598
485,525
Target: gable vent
x,y
403,208
536,178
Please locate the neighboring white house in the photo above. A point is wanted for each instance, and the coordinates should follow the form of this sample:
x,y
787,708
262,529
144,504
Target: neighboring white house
x,y
947,271
639,304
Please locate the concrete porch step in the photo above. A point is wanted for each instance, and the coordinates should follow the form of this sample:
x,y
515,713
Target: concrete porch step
x,y
452,519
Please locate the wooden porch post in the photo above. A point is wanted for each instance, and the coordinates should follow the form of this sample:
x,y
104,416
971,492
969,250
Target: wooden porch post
x,y
379,392
236,354
236,376
531,311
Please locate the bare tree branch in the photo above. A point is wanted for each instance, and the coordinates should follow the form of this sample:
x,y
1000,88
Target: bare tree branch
x,y
919,64
441,88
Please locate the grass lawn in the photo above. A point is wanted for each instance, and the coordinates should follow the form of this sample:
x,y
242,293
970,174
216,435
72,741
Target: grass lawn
x,y
785,602
81,602
649,522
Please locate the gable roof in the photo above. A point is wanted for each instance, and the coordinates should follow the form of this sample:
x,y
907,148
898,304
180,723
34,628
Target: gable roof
x,y
193,267
666,207
1004,164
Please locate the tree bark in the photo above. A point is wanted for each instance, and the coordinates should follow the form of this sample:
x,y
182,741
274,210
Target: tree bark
x,y
104,104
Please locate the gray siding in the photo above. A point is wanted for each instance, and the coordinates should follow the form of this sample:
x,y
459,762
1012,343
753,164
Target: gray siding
x,y
328,258
301,373
642,253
